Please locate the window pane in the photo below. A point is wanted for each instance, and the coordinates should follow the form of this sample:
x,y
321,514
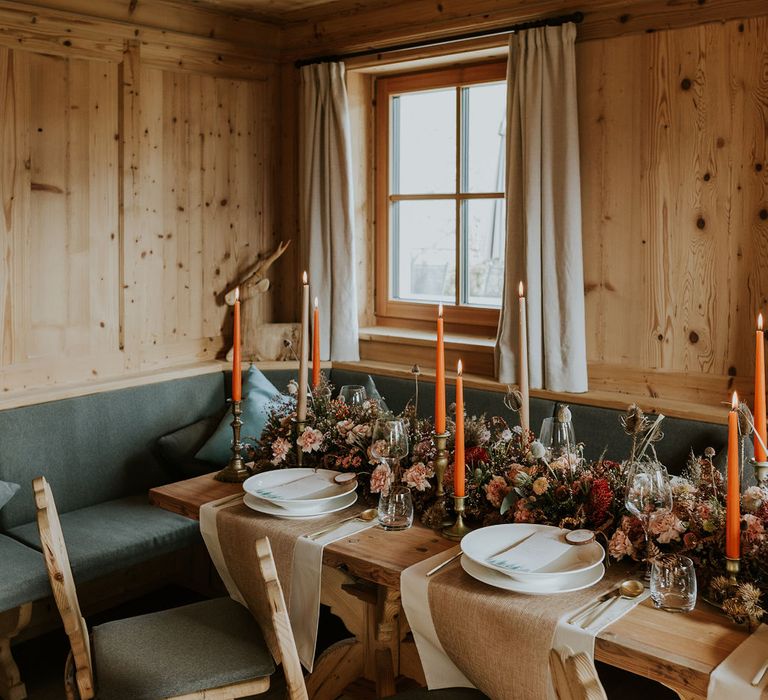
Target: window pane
x,y
483,222
484,108
424,142
424,250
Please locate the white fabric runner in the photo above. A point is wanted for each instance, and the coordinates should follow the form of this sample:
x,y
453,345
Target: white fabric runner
x,y
439,670
304,605
306,583
733,677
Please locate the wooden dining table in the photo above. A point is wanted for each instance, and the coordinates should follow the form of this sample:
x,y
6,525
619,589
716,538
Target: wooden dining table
x,y
361,584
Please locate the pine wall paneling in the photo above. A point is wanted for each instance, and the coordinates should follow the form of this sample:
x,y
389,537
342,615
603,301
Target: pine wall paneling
x,y
137,173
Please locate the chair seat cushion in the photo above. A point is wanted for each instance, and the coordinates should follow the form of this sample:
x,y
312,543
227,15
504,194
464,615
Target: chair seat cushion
x,y
442,694
116,535
178,651
23,578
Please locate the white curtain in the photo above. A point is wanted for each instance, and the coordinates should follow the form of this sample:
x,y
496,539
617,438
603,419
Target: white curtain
x,y
327,215
543,245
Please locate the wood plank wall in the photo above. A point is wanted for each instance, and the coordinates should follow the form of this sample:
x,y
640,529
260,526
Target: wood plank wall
x,y
137,173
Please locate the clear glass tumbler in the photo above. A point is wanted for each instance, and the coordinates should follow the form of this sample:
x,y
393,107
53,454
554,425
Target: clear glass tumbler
x,y
673,583
396,508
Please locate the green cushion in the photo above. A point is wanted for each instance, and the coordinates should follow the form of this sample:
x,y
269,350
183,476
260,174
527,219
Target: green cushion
x,y
179,651
23,578
442,694
258,394
115,535
7,491
178,448
100,447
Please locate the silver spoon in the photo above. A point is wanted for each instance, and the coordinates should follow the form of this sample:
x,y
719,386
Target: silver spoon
x,y
629,589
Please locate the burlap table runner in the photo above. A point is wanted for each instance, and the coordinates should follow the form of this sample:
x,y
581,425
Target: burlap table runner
x,y
501,640
238,529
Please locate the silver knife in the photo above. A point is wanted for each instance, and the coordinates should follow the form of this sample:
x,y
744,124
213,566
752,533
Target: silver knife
x,y
612,593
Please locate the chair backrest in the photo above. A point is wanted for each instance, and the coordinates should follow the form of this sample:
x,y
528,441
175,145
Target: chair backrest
x,y
63,585
280,623
574,676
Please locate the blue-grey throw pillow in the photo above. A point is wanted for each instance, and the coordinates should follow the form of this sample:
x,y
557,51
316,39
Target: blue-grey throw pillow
x,y
258,394
178,449
7,491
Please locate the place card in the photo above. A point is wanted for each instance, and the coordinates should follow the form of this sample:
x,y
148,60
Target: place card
x,y
531,554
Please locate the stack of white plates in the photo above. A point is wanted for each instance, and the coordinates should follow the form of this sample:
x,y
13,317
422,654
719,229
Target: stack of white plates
x,y
298,493
578,567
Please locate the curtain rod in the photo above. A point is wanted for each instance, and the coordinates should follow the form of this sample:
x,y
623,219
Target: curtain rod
x,y
575,17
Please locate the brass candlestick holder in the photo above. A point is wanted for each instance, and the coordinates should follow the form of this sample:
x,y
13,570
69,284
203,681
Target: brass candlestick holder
x,y
236,470
436,516
459,528
732,567
298,426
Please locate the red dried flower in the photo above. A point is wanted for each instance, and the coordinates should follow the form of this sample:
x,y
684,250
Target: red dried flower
x,y
475,455
600,500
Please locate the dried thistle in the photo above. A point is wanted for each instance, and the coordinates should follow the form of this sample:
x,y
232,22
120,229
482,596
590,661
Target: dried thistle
x,y
746,420
513,399
634,421
720,586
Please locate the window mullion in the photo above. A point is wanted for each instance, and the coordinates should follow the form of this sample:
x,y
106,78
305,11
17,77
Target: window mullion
x,y
459,281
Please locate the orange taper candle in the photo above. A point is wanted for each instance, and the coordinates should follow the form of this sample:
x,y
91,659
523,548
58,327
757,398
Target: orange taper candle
x,y
316,347
440,376
458,452
237,377
760,427
301,399
733,514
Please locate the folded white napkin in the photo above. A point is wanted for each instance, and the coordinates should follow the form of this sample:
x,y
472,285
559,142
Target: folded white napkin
x,y
297,487
733,677
439,670
306,584
573,637
531,554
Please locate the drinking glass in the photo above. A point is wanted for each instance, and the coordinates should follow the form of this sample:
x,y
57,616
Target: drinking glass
x,y
649,493
396,508
353,394
389,440
673,583
558,437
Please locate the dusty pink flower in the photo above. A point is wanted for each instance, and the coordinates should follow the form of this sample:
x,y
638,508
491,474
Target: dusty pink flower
x,y
704,511
666,526
359,433
496,490
620,545
310,440
753,498
755,530
541,485
522,514
280,449
344,426
417,476
381,479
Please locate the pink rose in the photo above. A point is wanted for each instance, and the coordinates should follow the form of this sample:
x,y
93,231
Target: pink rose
x,y
280,449
666,526
417,476
310,440
381,479
620,545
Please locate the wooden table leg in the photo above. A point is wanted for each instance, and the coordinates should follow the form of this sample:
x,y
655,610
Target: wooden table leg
x,y
11,623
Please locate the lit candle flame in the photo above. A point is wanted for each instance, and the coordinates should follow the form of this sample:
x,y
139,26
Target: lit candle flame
x,y
304,277
734,401
440,310
315,302
760,321
459,369
237,293
521,290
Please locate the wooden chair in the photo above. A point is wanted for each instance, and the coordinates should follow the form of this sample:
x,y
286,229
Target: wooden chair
x,y
213,650
574,676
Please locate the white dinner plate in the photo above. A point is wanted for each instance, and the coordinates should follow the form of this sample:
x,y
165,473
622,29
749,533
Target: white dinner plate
x,y
268,508
567,584
319,502
481,544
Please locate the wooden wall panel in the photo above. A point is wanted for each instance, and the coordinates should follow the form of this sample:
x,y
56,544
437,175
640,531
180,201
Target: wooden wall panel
x,y
673,139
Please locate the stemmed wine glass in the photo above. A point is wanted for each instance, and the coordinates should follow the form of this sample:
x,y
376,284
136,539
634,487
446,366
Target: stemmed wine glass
x,y
648,494
353,394
389,444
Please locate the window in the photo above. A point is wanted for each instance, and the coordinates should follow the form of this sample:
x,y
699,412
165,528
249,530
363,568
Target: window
x,y
440,195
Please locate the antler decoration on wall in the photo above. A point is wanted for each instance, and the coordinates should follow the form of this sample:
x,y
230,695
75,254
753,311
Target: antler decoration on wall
x,y
253,281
